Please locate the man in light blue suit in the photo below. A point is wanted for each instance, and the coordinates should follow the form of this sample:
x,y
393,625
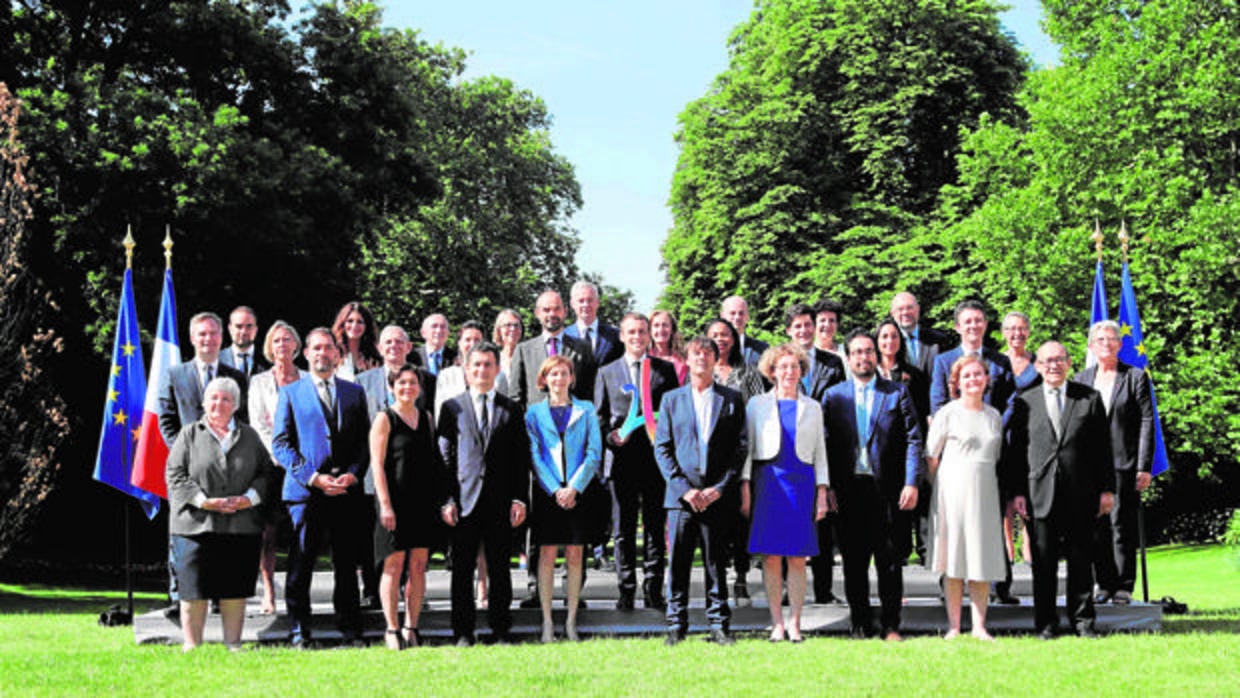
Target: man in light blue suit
x,y
320,438
874,451
700,445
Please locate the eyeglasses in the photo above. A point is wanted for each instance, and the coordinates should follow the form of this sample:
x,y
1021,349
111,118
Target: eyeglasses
x,y
1053,361
510,326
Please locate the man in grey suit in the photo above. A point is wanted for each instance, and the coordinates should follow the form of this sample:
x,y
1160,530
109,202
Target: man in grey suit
x,y
180,403
735,310
530,355
1060,472
243,355
487,456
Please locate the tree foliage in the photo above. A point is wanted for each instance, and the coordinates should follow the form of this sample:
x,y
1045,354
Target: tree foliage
x,y
824,143
33,422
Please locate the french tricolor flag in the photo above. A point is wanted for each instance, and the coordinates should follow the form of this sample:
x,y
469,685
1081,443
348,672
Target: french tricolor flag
x,y
152,452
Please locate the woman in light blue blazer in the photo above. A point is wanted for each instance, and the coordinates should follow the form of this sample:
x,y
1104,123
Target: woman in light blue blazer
x,y
568,506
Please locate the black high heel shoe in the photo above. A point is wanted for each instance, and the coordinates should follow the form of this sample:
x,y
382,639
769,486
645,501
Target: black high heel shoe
x,y
400,641
411,637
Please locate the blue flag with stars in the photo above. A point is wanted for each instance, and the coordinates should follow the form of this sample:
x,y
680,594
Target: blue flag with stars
x,y
122,413
1132,352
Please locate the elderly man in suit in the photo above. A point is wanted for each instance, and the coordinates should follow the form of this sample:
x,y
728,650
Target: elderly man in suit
x,y
604,339
628,460
320,439
243,355
487,456
180,403
874,453
922,343
825,370
1126,395
1061,473
700,446
735,310
435,354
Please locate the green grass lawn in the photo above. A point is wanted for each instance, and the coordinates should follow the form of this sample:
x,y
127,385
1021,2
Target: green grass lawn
x,y
50,644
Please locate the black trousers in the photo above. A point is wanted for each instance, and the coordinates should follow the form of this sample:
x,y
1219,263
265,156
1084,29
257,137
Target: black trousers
x,y
1115,537
639,488
1068,534
869,524
492,530
823,564
338,524
687,531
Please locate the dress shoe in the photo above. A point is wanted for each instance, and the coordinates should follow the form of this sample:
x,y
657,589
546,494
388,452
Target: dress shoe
x,y
625,602
719,636
861,632
530,601
300,643
371,603
1047,633
1103,596
173,613
464,641
1122,598
674,637
1006,598
654,599
1087,632
740,592
827,598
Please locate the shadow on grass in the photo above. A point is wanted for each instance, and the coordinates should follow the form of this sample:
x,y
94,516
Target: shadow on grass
x,y
1216,620
18,599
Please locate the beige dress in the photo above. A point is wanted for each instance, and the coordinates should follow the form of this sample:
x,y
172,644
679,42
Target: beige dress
x,y
967,540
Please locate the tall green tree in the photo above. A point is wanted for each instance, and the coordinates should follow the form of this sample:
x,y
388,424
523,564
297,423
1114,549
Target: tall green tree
x,y
824,143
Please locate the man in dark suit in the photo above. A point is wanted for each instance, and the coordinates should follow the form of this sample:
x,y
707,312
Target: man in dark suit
x,y
700,447
180,404
628,460
243,355
1061,473
735,310
530,355
921,343
604,339
825,370
971,324
320,440
874,450
435,354
487,456
1126,395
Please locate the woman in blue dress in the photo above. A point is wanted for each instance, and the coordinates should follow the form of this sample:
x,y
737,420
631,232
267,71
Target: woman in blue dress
x,y
784,484
568,505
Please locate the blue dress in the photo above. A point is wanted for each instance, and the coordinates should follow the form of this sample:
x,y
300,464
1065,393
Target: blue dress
x,y
784,493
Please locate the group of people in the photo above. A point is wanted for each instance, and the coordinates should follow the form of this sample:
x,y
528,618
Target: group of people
x,y
887,439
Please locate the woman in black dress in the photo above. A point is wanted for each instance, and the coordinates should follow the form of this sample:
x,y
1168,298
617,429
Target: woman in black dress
x,y
568,509
405,463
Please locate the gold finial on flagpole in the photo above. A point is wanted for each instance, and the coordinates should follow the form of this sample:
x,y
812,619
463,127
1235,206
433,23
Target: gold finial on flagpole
x,y
1097,237
168,245
129,245
1124,238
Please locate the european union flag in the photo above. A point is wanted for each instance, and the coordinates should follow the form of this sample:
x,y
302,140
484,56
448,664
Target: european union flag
x,y
122,413
1132,352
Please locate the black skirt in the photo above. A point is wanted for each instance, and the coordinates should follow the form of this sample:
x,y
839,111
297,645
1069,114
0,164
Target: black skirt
x,y
584,524
216,565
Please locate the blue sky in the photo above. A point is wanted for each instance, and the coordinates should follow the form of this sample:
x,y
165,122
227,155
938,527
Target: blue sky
x,y
615,76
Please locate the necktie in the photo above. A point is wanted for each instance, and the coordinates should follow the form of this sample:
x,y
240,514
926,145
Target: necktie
x,y
590,339
325,396
484,419
863,427
553,346
207,374
1054,409
912,345
245,364
434,357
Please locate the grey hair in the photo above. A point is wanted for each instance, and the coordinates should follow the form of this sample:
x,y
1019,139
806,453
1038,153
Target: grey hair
x,y
1101,325
225,384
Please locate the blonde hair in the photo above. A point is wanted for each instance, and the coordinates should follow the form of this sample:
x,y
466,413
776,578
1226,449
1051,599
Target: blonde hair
x,y
770,357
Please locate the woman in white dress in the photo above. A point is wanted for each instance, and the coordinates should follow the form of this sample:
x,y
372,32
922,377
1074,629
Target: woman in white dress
x,y
963,449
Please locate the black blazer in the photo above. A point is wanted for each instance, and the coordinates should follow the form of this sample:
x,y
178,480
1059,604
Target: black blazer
x,y
1131,417
228,357
613,404
423,361
484,475
1070,472
828,371
918,383
932,342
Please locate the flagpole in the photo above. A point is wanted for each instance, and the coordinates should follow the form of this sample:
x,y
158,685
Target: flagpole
x,y
1124,239
129,245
